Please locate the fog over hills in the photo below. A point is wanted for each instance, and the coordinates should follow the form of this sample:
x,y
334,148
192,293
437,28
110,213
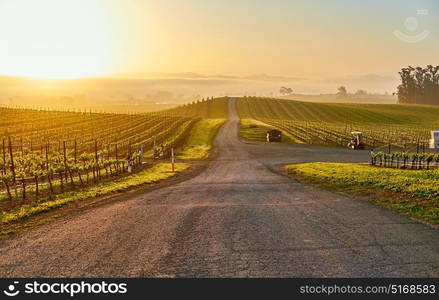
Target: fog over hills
x,y
173,88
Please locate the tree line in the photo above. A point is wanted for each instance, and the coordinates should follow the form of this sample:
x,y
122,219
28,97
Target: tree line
x,y
419,85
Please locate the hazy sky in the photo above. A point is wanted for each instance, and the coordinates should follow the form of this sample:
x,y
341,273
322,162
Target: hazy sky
x,y
312,39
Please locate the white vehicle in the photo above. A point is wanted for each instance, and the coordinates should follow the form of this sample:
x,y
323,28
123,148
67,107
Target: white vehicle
x,y
357,141
434,141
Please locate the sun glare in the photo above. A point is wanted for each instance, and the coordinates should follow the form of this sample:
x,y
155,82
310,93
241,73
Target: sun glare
x,y
54,38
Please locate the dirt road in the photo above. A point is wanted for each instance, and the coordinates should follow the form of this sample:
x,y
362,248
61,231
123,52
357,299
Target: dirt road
x,y
237,218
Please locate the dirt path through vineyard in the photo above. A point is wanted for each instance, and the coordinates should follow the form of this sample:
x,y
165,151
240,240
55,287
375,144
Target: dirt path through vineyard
x,y
237,218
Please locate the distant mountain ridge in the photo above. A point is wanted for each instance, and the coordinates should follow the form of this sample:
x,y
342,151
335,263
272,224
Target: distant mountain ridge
x,y
194,75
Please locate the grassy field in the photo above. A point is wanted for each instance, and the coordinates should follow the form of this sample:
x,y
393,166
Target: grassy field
x,y
199,142
412,192
334,98
255,131
216,108
414,115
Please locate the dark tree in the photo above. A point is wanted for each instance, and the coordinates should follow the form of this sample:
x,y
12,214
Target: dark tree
x,y
360,93
419,85
286,91
342,92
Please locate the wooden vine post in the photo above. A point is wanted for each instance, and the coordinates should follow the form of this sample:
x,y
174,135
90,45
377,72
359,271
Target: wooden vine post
x,y
14,179
172,159
65,158
4,157
96,161
66,166
48,169
117,161
75,153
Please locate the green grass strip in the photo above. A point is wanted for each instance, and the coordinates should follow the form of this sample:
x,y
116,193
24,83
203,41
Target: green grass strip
x,y
413,192
200,139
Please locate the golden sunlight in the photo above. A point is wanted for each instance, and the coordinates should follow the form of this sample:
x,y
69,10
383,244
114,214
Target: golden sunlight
x,y
55,38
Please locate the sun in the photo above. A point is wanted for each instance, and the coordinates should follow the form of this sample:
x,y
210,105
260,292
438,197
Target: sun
x,y
55,38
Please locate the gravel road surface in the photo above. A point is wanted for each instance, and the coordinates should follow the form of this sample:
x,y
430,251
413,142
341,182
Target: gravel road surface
x,y
238,218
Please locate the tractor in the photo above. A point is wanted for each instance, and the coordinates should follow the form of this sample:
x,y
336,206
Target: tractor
x,y
357,141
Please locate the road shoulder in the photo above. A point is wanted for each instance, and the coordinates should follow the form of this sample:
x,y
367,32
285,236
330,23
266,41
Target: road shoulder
x,y
372,184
